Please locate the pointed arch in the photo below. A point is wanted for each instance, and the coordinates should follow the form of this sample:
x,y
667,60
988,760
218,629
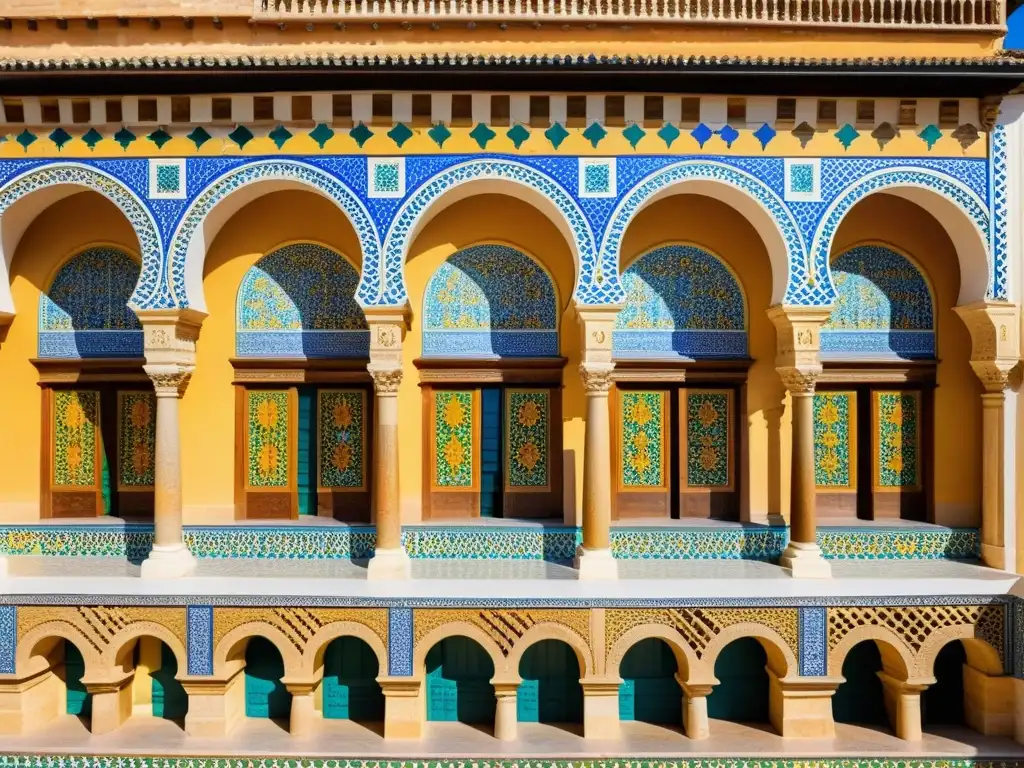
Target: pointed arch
x,y
226,195
477,177
884,307
24,197
85,310
962,214
682,300
298,300
490,299
751,197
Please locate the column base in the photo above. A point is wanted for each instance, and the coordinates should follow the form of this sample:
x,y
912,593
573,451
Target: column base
x,y
805,561
168,562
389,565
596,564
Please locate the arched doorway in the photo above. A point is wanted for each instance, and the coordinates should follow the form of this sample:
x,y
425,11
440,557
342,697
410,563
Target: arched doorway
x,y
942,703
170,701
265,694
78,701
650,692
741,695
551,690
860,700
459,689
350,687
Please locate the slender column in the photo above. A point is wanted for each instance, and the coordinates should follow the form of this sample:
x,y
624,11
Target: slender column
x,y
170,558
303,715
695,710
798,364
506,717
903,705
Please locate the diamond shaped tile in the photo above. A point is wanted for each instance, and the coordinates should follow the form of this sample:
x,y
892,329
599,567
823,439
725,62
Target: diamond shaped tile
x,y
702,134
556,134
728,134
966,135
633,134
26,138
440,134
400,134
765,134
847,135
930,134
241,136
322,134
124,137
199,136
668,133
518,133
481,134
884,133
804,133
60,137
594,133
92,137
159,137
360,134
279,136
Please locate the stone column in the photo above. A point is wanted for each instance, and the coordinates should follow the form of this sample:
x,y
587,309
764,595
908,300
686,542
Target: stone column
x,y
506,716
797,361
990,706
801,707
404,708
695,709
111,703
170,337
387,328
995,351
903,705
215,706
303,714
601,707
594,559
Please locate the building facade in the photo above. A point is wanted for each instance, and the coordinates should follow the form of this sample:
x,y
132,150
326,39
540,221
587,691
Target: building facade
x,y
708,309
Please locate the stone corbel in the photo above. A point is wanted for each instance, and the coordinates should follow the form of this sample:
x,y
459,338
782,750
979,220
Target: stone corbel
x,y
170,335
388,326
995,340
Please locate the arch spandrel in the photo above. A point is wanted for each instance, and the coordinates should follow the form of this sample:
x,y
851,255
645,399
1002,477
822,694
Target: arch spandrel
x,y
681,300
490,301
299,301
884,307
85,312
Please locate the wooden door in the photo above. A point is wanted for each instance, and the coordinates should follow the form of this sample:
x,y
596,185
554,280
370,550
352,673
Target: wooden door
x,y
342,453
550,691
350,687
136,451
897,459
836,428
452,430
76,475
268,471
641,453
459,685
707,454
533,453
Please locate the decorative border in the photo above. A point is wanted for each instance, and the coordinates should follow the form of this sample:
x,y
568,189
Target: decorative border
x,y
813,642
400,642
8,638
470,542
200,639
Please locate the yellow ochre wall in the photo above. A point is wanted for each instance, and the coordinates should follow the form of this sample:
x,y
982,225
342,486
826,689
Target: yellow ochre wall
x,y
63,230
891,220
208,408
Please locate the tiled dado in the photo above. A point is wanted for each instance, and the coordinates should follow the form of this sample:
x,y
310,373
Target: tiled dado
x,y
552,543
154,761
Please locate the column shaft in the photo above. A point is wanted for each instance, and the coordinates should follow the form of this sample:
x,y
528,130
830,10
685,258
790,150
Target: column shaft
x,y
597,495
802,489
389,558
993,477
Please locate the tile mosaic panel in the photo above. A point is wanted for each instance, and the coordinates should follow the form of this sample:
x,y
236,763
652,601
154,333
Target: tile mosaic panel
x,y
527,429
267,438
299,301
341,438
643,447
454,439
897,440
85,312
76,415
708,438
835,435
883,307
136,439
490,300
681,300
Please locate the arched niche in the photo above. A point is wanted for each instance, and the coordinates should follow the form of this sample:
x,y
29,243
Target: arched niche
x,y
490,301
682,302
85,314
884,308
299,301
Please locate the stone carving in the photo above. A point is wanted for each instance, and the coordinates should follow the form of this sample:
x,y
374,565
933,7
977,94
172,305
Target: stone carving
x,y
505,627
386,382
169,380
596,379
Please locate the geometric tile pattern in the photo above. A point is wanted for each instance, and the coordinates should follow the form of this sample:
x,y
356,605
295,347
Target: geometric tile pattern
x,y
490,300
400,661
813,640
999,228
642,441
199,635
454,439
342,438
681,300
897,438
136,439
708,439
834,426
527,413
8,638
268,438
76,415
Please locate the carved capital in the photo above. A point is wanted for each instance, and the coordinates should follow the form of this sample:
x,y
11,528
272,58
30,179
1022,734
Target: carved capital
x,y
170,335
169,380
994,376
386,380
798,338
995,340
596,378
800,380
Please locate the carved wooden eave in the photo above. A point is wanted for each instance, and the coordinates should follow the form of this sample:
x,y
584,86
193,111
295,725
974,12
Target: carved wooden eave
x,y
879,372
292,370
91,370
524,370
676,371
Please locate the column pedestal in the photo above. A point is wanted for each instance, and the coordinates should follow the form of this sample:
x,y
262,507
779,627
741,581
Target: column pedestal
x,y
303,715
506,716
989,702
695,710
601,708
111,704
214,706
801,707
404,709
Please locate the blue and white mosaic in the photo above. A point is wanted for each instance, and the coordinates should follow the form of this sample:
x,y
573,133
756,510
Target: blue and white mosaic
x,y
490,300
